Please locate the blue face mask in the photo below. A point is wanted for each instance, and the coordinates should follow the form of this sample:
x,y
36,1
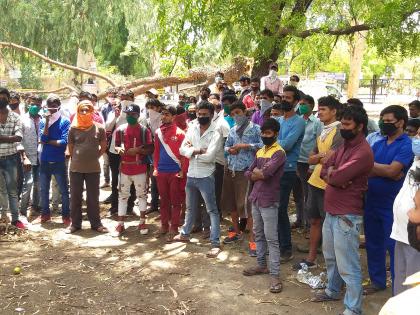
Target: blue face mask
x,y
416,146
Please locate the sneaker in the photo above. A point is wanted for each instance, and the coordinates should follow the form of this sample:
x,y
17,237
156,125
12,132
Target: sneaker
x,y
108,200
232,238
119,229
45,218
19,225
284,258
252,249
66,221
143,228
303,262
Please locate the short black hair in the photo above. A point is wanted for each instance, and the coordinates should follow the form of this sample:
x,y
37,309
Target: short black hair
x,y
271,124
291,88
329,101
180,110
205,88
268,93
112,90
126,92
153,102
357,114
309,99
220,74
295,78
229,96
415,103
206,105
14,95
215,95
245,78
355,102
414,123
85,94
399,112
5,91
273,65
94,96
238,104
256,79
36,98
171,109
193,99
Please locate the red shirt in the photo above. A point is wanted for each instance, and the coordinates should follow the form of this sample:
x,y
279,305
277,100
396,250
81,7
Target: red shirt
x,y
132,136
248,101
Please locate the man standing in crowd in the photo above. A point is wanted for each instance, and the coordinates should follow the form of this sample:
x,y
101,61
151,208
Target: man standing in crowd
x,y
393,156
245,82
414,109
86,144
346,173
326,144
412,127
292,128
265,172
272,82
10,135
266,102
372,125
54,130
294,81
249,99
200,146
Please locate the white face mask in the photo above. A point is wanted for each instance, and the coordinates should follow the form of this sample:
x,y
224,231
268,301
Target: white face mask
x,y
272,73
125,104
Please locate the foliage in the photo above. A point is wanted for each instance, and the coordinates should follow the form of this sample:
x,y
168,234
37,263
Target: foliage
x,y
30,78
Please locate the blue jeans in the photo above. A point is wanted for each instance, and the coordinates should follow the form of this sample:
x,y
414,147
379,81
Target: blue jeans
x,y
287,181
341,252
265,230
205,187
30,183
8,185
58,169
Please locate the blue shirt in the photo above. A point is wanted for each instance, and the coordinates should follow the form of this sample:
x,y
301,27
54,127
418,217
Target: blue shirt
x,y
230,121
57,131
373,137
381,190
290,139
313,129
244,158
166,164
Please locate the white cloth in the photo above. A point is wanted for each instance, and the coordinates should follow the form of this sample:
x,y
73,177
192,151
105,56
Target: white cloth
x,y
327,129
402,203
202,165
406,303
139,182
112,124
30,138
54,117
154,120
222,126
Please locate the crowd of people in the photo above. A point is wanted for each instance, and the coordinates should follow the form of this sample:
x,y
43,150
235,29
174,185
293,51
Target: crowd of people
x,y
226,153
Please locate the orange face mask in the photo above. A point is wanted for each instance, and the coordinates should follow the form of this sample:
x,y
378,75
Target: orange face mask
x,y
83,120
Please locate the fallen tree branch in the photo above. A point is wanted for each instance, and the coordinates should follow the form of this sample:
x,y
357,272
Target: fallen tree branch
x,y
63,88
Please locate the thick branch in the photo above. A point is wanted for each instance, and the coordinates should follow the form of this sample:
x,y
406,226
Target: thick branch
x,y
57,63
337,32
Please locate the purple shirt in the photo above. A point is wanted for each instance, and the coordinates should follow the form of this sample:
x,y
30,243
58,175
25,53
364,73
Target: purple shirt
x,y
352,163
257,119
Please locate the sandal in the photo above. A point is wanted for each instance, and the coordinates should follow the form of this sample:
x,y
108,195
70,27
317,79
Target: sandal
x,y
276,286
214,252
254,271
71,229
161,233
101,229
371,289
170,237
322,296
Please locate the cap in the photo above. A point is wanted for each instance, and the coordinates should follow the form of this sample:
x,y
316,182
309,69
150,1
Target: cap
x,y
153,91
133,108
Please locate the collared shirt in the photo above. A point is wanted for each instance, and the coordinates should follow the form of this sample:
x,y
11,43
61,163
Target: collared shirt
x,y
352,163
276,86
290,139
201,165
12,127
59,131
313,129
222,126
373,137
382,190
30,129
245,157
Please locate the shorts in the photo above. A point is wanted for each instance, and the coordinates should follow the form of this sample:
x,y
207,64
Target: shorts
x,y
235,193
315,203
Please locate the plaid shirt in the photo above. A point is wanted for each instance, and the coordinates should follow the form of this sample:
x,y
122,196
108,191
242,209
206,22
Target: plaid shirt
x,y
12,127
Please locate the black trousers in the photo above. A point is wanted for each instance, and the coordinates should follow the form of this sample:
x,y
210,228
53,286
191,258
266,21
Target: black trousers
x,y
114,164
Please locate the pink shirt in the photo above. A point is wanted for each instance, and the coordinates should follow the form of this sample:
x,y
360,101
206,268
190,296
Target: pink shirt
x,y
275,86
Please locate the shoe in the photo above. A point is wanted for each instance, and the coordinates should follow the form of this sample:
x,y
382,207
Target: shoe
x,y
71,229
119,229
252,249
151,210
66,221
284,258
108,200
232,238
303,262
18,224
104,185
45,218
143,228
181,238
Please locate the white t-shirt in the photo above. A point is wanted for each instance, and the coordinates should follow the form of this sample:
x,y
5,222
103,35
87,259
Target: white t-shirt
x,y
402,204
222,126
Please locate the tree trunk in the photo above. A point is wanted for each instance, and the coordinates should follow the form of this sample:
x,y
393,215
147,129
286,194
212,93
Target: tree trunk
x,y
261,63
357,49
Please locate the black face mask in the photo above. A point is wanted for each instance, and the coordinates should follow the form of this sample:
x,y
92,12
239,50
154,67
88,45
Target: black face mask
x,y
347,134
286,106
14,106
268,141
388,129
203,120
3,103
192,116
412,235
255,88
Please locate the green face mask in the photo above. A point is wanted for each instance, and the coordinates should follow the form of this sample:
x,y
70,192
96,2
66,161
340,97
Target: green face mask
x,y
226,109
303,109
33,110
131,120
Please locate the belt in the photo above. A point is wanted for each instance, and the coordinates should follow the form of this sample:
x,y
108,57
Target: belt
x,y
132,163
9,156
233,172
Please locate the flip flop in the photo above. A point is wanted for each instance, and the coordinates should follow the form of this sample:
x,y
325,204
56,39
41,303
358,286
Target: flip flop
x,y
214,252
276,286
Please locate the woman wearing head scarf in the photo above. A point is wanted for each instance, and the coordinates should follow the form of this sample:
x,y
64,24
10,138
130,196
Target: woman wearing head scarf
x,y
86,144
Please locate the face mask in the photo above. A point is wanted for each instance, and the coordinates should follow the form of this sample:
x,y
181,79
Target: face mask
x,y
125,104
303,109
226,108
416,146
14,106
203,120
192,115
286,106
131,120
240,120
268,141
3,103
33,110
293,83
272,73
388,129
347,134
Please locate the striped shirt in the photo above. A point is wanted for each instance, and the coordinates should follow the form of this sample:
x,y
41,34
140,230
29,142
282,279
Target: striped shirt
x,y
12,127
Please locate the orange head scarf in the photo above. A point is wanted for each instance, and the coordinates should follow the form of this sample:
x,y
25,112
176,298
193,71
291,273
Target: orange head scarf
x,y
83,121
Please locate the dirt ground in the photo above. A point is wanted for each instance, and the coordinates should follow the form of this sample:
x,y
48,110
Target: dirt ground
x,y
89,273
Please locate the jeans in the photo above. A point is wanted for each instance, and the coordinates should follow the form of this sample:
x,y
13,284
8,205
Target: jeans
x,y
58,169
341,252
265,230
20,175
301,211
30,184
8,185
205,187
287,182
